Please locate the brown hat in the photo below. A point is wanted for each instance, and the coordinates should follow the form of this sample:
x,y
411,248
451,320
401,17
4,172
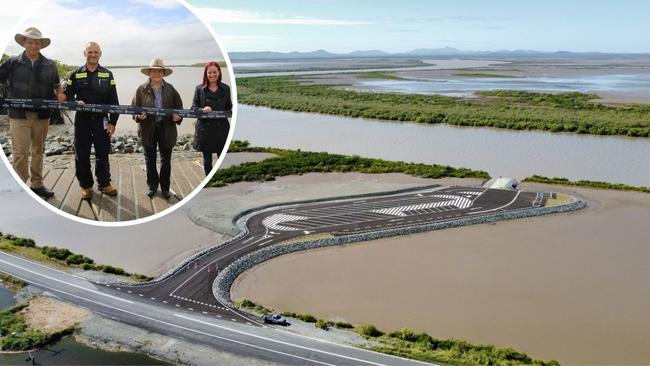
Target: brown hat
x,y
156,64
31,33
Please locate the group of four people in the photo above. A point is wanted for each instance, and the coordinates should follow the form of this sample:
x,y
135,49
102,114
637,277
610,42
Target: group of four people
x,y
32,76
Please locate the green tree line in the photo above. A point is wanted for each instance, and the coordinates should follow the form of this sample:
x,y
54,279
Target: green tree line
x,y
517,110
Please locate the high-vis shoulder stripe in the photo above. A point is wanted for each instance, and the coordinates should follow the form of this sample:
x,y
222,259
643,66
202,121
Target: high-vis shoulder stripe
x,y
103,75
69,81
81,75
113,82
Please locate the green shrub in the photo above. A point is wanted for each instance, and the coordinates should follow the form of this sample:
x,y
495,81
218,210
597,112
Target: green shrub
x,y
304,317
78,259
248,304
369,330
323,324
24,242
343,325
88,267
110,269
56,253
586,183
307,318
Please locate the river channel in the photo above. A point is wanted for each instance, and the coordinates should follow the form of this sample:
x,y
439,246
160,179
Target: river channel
x,y
499,152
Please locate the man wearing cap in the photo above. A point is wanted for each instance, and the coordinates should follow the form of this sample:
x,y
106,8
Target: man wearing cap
x,y
30,76
93,84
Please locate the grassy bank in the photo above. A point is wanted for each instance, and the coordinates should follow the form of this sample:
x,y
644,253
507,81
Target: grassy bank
x,y
419,346
15,335
296,162
518,110
61,257
586,183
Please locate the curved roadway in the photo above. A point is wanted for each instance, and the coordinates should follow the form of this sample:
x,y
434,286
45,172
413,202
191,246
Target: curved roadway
x,y
183,305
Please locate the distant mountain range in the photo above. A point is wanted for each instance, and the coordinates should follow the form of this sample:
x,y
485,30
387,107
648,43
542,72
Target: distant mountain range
x,y
433,52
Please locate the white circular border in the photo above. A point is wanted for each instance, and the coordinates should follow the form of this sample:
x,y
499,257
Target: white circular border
x,y
233,120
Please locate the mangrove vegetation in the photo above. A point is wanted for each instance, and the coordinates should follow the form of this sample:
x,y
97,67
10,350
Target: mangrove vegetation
x,y
296,162
518,110
63,257
586,183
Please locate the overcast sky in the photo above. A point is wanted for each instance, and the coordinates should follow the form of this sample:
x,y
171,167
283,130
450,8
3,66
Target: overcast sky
x,y
131,32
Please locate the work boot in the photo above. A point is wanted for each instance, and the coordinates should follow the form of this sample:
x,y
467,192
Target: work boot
x,y
43,192
108,190
87,193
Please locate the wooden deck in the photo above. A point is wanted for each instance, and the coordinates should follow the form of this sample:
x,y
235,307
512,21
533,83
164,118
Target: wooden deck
x,y
128,175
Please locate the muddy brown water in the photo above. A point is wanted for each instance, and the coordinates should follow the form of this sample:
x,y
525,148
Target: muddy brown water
x,y
572,287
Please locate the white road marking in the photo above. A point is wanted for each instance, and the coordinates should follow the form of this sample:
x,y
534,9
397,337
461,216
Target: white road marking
x,y
459,202
66,283
161,321
271,222
498,208
277,341
265,242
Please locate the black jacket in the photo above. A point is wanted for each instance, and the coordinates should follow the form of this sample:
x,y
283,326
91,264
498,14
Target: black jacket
x,y
27,81
210,135
97,87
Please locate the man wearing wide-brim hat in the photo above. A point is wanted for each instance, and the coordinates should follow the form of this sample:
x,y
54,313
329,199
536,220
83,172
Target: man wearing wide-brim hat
x,y
157,133
30,76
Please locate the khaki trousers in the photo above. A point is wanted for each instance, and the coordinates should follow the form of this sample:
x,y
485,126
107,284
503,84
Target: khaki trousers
x,y
28,140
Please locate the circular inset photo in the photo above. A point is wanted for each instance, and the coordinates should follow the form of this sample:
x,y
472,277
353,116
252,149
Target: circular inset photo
x,y
115,112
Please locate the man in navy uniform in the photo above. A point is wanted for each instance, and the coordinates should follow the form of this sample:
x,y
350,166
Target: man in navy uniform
x,y
93,84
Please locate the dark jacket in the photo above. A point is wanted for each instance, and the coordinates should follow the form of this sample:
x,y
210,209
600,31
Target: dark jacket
x,y
25,81
92,87
144,97
210,135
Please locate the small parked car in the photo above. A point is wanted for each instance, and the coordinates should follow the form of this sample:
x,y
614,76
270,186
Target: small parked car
x,y
275,319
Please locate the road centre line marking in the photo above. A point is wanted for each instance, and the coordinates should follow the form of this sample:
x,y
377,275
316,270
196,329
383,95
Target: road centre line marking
x,y
277,341
249,239
66,283
170,324
265,242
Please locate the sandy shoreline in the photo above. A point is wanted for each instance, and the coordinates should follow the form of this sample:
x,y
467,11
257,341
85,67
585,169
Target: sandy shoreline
x,y
571,287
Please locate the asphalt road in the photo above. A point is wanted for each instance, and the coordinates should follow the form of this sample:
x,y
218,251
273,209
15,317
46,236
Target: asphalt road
x,y
191,288
183,305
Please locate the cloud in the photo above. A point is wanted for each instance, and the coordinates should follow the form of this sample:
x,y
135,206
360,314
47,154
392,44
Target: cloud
x,y
225,16
125,39
17,8
160,4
